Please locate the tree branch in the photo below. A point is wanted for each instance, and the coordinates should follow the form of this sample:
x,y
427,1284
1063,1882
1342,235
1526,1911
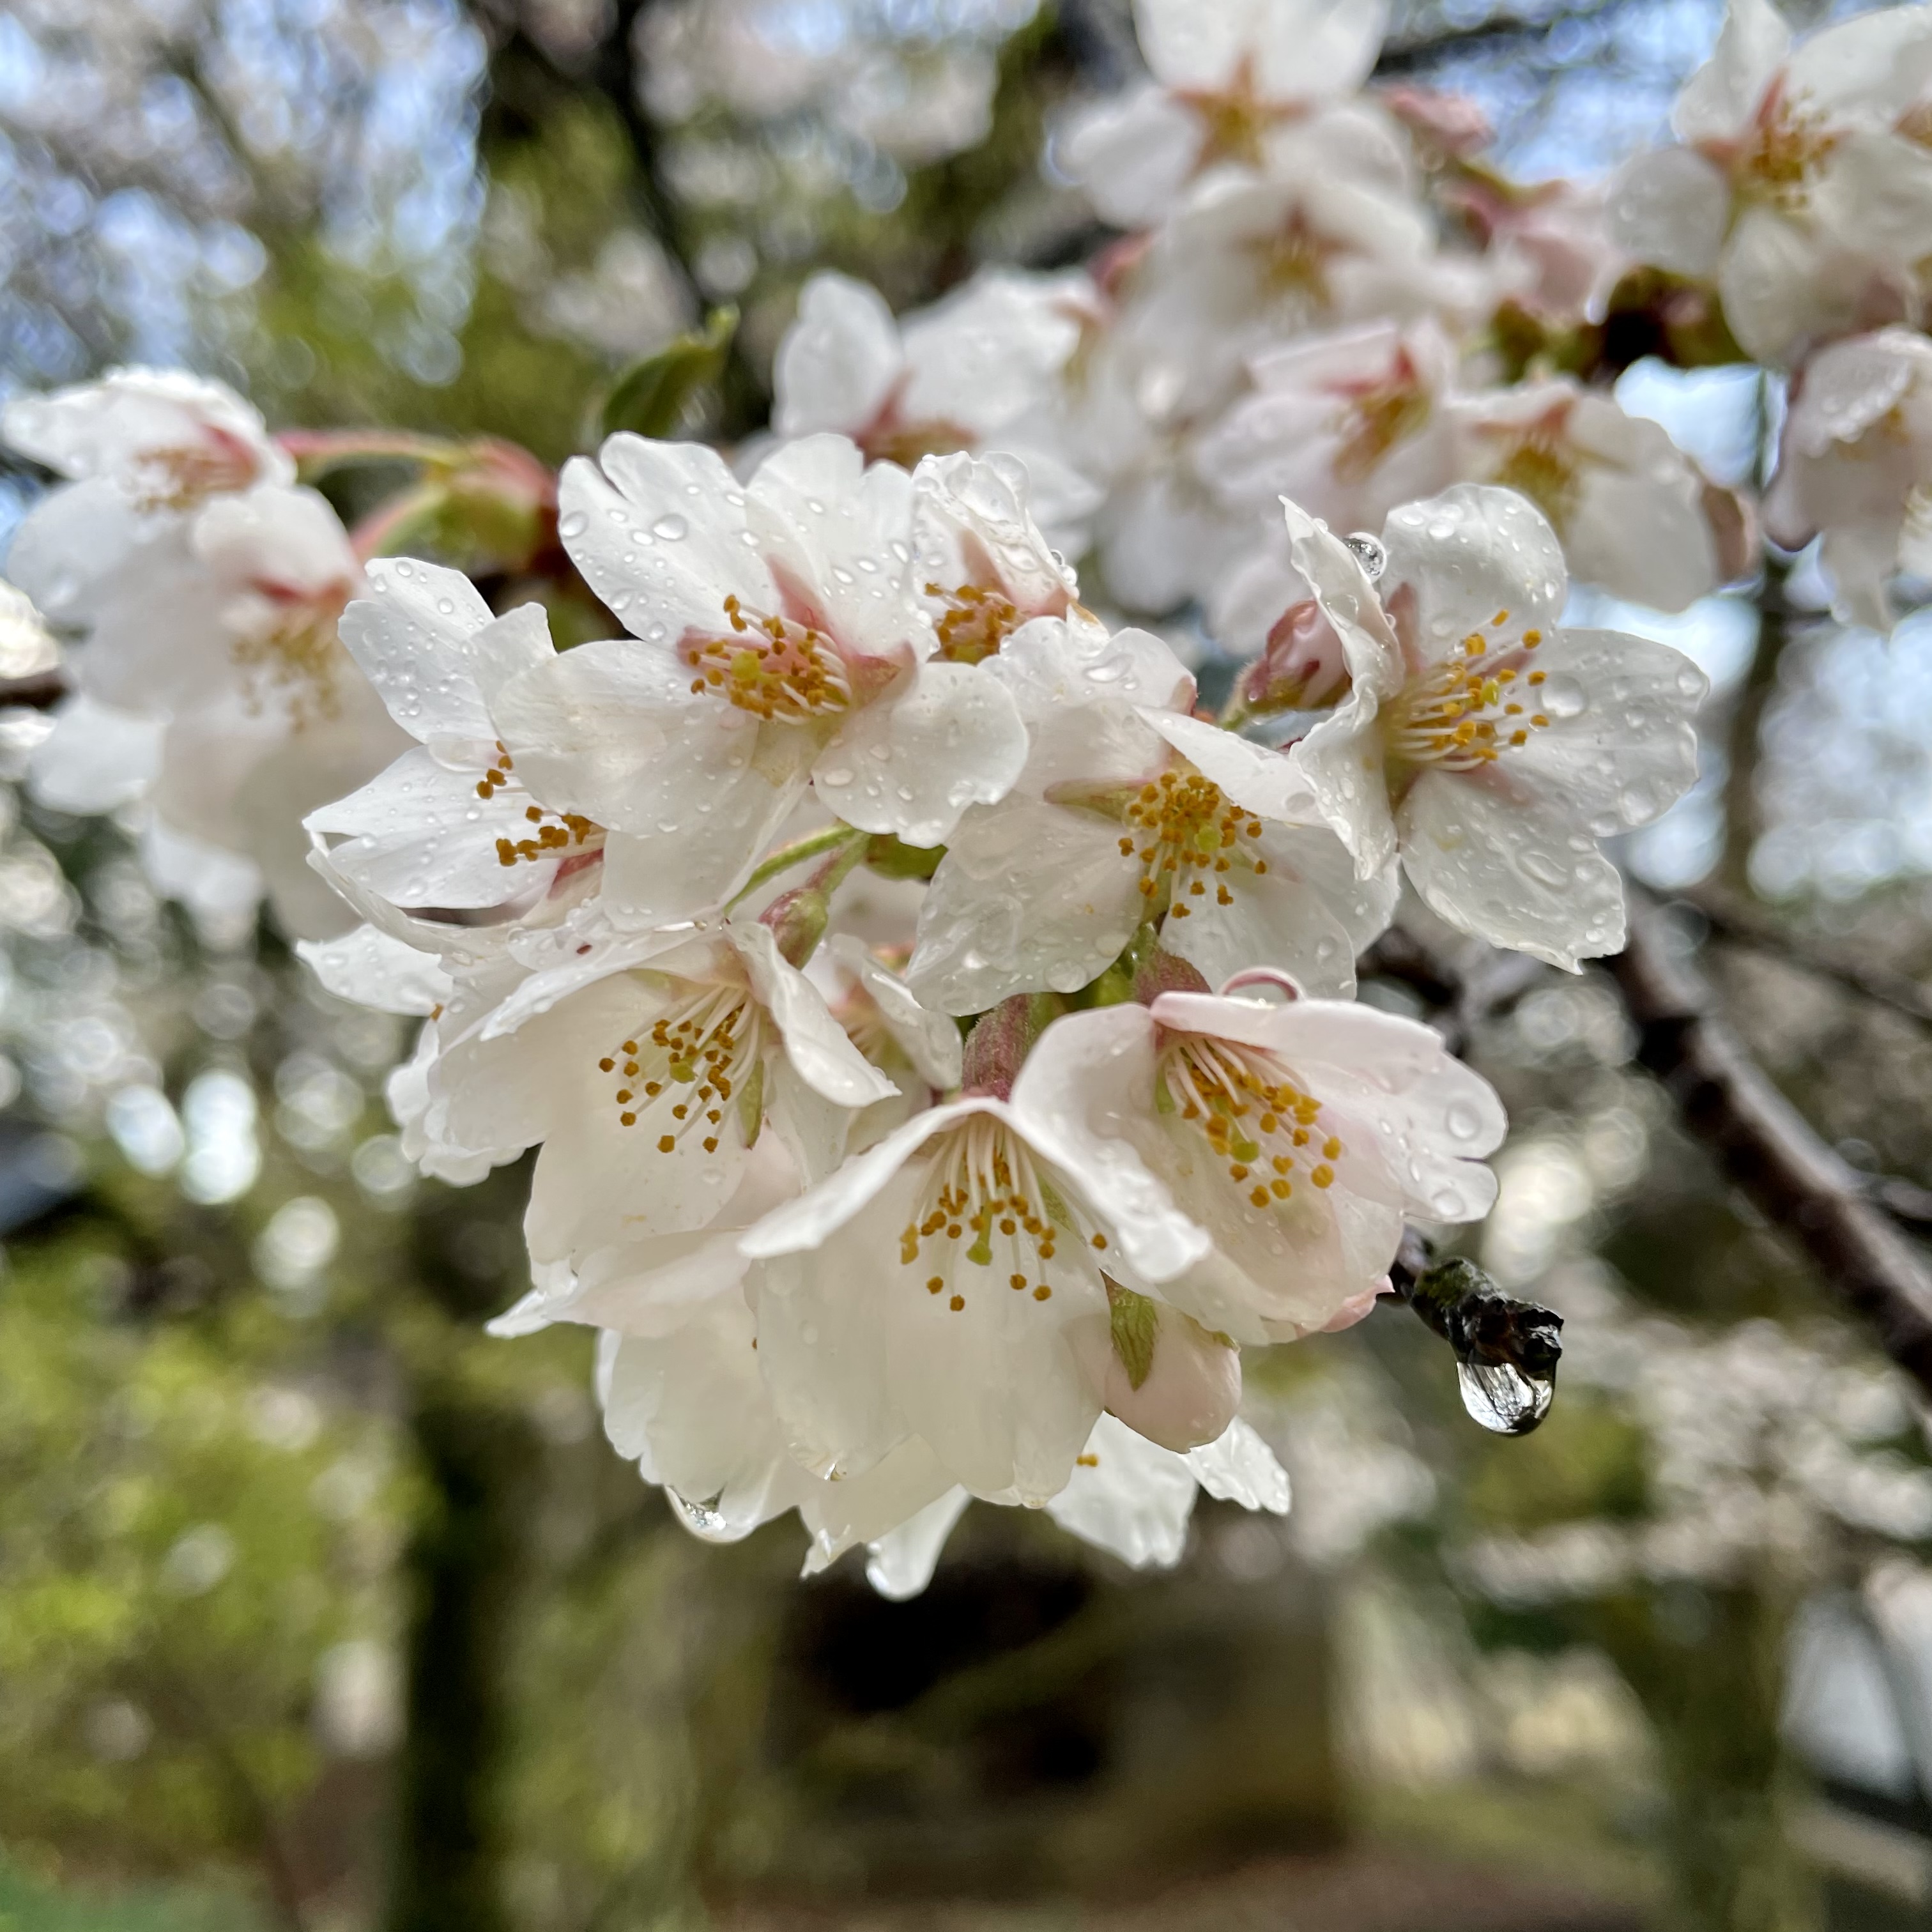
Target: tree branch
x,y
1739,923
1766,1147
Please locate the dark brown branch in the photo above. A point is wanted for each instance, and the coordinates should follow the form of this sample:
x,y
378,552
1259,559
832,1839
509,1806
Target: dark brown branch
x,y
39,692
1768,1150
1466,993
1742,924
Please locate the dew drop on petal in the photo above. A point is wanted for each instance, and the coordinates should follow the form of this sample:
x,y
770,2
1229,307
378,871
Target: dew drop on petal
x,y
669,527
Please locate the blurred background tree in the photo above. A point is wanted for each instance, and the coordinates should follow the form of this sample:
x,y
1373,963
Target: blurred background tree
x,y
319,1609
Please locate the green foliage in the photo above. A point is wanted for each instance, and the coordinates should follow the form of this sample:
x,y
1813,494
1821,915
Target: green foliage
x,y
183,1532
661,394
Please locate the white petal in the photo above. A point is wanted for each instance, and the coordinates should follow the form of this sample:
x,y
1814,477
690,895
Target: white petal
x,y
1258,779
1129,1497
419,835
806,1223
816,1044
1341,761
96,759
1028,896
1527,879
374,969
1308,914
659,533
1088,1076
929,1039
410,635
1670,208
1240,1468
1468,557
913,765
837,364
900,1563
1132,152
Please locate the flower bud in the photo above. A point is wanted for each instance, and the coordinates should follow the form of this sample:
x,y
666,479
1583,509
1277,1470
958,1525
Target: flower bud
x,y
1168,1377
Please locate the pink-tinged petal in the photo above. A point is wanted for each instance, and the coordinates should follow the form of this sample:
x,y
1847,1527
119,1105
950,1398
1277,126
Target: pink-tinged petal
x,y
1720,99
1348,598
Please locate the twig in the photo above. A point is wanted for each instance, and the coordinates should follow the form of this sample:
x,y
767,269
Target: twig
x,y
1742,926
1767,1149
39,691
1464,996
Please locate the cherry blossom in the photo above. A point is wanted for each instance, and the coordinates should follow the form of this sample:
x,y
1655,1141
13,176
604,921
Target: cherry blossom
x,y
1855,464
776,642
1489,745
1802,186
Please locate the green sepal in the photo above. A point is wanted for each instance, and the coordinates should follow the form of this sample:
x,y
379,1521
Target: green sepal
x,y
891,858
651,397
1135,1321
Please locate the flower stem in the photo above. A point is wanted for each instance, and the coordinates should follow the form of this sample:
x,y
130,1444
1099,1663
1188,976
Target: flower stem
x,y
797,854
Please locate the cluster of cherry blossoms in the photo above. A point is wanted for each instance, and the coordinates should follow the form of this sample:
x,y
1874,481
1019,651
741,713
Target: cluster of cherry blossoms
x,y
936,1023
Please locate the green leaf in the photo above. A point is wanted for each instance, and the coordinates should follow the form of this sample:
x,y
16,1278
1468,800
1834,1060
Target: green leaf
x,y
1136,1321
651,396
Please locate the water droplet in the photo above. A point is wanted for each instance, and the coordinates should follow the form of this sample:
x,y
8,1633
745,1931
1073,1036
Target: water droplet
x,y
1544,869
1464,1121
573,525
710,1525
669,527
1563,697
1503,1398
835,779
1368,553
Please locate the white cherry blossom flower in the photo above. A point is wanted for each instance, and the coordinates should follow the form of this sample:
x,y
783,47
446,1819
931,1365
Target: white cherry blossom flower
x,y
1300,1136
980,369
1490,746
450,823
1802,186
776,641
1228,83
1131,810
950,1282
1855,462
1632,512
648,1065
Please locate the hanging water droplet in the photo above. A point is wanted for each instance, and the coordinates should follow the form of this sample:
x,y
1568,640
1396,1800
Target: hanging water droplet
x,y
1368,553
710,1525
1503,1398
